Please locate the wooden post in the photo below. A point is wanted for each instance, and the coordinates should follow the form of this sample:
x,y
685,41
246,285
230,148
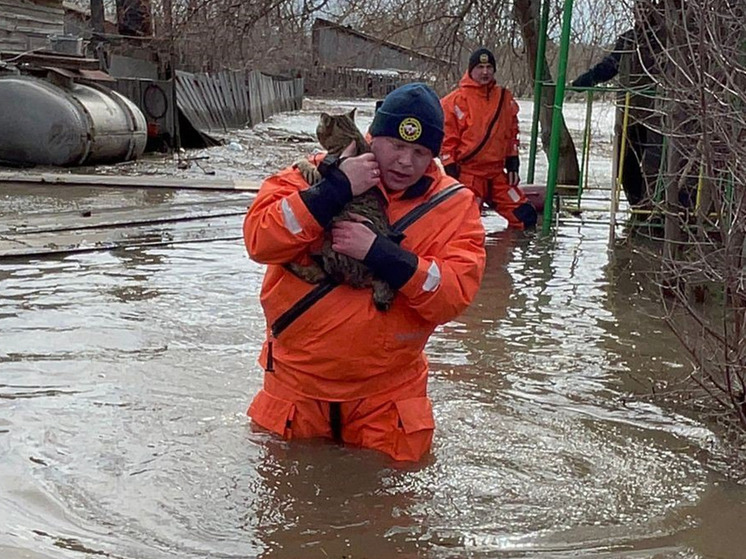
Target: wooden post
x,y
97,15
168,17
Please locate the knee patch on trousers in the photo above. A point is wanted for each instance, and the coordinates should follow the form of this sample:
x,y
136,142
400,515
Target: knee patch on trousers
x,y
527,215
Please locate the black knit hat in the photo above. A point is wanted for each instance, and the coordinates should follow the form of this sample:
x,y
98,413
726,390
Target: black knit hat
x,y
481,56
411,113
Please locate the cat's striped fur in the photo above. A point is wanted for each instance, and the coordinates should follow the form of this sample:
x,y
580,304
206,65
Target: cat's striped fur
x,y
335,132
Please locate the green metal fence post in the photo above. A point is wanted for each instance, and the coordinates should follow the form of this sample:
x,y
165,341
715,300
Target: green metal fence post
x,y
559,95
585,161
538,83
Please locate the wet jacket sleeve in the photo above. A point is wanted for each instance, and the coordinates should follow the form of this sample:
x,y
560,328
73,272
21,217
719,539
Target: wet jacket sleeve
x,y
609,65
452,129
443,284
286,216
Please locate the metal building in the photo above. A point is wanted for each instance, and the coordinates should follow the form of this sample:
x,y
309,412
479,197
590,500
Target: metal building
x,y
335,45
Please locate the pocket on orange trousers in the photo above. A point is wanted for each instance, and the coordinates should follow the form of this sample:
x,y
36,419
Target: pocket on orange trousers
x,y
272,413
415,414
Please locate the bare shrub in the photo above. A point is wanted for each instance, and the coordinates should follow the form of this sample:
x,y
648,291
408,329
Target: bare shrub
x,y
701,80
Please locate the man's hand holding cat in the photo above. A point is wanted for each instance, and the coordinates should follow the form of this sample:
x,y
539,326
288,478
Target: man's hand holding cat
x,y
362,171
352,237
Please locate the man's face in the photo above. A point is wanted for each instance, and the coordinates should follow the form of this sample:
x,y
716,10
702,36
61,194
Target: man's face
x,y
401,163
483,73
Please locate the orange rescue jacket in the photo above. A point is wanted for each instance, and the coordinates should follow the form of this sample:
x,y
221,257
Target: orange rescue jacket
x,y
342,348
469,141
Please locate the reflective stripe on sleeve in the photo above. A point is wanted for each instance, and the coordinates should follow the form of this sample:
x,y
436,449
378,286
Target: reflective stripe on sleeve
x,y
289,219
433,278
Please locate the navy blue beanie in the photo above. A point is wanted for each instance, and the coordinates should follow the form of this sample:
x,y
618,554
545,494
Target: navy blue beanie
x,y
411,113
481,56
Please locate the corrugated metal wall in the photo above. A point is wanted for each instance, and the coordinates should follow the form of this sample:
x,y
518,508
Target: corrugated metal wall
x,y
25,25
219,102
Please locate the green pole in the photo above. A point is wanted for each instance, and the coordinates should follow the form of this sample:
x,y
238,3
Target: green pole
x,y
559,95
538,83
584,164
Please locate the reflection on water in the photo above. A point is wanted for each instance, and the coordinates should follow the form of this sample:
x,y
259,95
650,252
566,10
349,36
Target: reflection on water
x,y
125,375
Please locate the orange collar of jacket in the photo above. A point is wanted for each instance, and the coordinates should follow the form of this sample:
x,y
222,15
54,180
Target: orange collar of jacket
x,y
468,81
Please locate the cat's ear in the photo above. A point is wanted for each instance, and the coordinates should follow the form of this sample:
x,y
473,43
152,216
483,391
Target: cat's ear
x,y
326,118
351,114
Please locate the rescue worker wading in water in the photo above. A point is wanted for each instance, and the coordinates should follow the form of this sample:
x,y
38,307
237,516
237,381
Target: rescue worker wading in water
x,y
481,141
338,368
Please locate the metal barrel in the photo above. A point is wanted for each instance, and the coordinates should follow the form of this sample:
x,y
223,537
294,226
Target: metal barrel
x,y
73,124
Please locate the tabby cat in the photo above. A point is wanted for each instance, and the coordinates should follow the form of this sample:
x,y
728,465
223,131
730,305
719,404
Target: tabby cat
x,y
335,132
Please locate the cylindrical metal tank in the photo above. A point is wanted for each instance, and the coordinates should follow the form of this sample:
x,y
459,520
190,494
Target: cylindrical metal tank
x,y
45,124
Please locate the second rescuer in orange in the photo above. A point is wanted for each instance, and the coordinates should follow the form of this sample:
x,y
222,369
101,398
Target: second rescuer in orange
x,y
341,368
480,147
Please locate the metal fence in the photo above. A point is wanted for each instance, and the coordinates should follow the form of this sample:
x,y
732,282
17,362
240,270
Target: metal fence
x,y
230,99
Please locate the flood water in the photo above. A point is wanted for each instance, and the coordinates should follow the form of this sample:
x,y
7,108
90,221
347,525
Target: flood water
x,y
125,376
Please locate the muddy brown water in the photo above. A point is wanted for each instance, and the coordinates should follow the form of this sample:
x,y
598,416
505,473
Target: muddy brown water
x,y
125,376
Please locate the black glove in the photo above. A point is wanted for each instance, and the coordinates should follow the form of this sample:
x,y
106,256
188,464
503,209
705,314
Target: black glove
x,y
329,165
586,80
327,198
390,262
452,170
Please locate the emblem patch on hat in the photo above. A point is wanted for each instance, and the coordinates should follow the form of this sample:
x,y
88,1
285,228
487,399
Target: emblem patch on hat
x,y
484,58
410,129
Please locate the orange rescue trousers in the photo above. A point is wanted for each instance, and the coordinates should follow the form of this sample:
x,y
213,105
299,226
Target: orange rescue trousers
x,y
398,422
498,195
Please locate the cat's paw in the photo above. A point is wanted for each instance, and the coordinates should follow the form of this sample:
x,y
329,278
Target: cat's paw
x,y
308,171
383,295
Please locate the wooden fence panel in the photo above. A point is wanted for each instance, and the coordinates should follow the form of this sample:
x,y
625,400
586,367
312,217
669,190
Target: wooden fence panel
x,y
214,104
255,103
239,85
189,101
348,82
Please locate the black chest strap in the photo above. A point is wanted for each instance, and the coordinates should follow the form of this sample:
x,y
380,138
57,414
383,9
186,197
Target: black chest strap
x,y
488,134
326,286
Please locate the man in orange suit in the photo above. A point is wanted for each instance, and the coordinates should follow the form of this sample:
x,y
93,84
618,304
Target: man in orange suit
x,y
480,147
340,368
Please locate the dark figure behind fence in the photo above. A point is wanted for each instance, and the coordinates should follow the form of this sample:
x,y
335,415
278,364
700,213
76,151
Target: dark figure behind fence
x,y
633,61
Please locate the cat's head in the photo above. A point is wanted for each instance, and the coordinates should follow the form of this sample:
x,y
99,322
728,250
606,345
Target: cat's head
x,y
335,132
327,120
